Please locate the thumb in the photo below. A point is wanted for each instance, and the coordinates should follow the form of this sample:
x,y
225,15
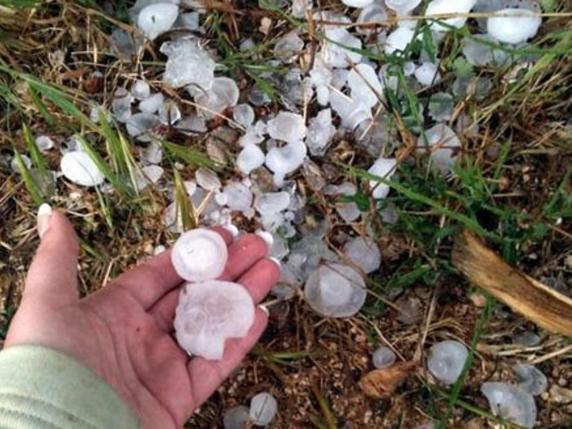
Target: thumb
x,y
52,277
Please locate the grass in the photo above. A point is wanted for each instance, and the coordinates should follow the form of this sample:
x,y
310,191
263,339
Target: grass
x,y
511,186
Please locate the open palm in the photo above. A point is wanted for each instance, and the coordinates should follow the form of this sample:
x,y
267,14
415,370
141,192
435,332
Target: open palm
x,y
123,332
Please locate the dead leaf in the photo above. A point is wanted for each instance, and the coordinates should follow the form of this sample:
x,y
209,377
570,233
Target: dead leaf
x,y
525,295
381,383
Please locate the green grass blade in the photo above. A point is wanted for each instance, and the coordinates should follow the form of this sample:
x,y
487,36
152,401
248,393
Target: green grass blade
x,y
29,181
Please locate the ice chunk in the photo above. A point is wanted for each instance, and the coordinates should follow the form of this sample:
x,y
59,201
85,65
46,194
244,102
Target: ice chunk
x,y
479,52
199,255
188,64
210,312
530,378
207,179
438,7
443,142
511,403
244,115
441,106
335,290
250,158
336,53
286,159
44,143
254,134
157,18
263,409
320,132
169,112
223,93
272,202
447,360
383,357
427,74
352,112
348,211
121,104
513,25
288,46
150,174
402,7
398,40
140,89
79,168
236,418
190,20
238,196
287,127
301,7
375,13
152,103
383,168
141,125
191,124
364,253
527,339
357,3
365,85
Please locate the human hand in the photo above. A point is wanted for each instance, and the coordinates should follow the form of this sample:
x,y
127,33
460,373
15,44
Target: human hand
x,y
123,331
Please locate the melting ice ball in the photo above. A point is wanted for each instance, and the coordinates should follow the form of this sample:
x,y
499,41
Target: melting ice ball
x,y
460,7
79,168
335,290
447,360
157,18
210,312
511,403
530,378
236,418
199,255
383,357
263,409
364,253
513,25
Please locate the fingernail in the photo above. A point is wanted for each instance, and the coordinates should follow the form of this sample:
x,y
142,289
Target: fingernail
x,y
43,219
267,237
265,309
276,261
232,229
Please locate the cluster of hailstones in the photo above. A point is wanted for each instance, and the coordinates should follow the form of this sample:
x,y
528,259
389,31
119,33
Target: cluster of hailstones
x,y
343,83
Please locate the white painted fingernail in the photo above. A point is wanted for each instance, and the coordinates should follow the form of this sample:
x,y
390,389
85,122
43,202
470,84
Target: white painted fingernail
x,y
276,261
265,309
43,219
266,236
232,229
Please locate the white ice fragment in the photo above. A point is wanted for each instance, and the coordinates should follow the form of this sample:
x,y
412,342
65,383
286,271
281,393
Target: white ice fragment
x,y
79,168
365,85
320,132
441,105
511,403
348,211
140,126
190,20
384,168
169,112
427,74
513,25
402,7
352,112
288,46
383,357
363,253
263,409
150,174
443,143
121,104
152,103
286,159
238,196
157,18
301,7
250,158
336,53
140,89
207,179
222,94
272,202
25,160
439,7
287,127
191,124
188,64
152,153
446,361
530,378
236,417
335,290
244,115
373,14
210,312
199,255
479,50
357,3
44,143
190,187
398,40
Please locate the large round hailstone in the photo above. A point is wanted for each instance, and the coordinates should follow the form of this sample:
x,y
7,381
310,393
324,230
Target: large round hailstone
x,y
510,403
383,168
79,168
383,357
447,360
287,127
335,290
284,160
250,158
199,255
364,253
402,7
439,7
513,25
263,409
357,3
210,312
157,18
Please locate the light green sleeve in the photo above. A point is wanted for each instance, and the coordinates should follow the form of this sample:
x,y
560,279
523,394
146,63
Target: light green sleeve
x,y
41,388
